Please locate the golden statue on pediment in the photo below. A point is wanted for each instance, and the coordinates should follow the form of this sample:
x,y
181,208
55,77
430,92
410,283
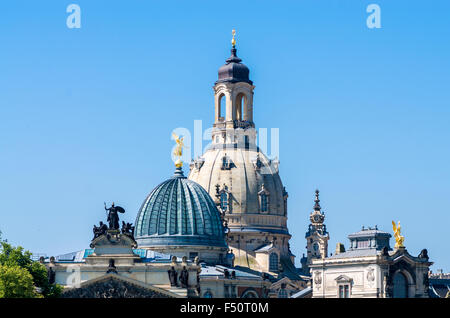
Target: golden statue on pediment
x,y
399,239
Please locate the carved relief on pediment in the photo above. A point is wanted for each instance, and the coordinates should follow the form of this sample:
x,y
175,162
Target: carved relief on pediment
x,y
112,288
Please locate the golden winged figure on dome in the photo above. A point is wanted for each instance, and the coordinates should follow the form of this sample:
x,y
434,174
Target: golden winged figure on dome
x,y
178,149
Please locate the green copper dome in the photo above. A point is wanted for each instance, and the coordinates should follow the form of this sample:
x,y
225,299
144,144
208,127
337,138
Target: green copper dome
x,y
179,212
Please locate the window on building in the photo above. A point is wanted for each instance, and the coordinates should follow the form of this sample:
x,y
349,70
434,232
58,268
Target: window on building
x,y
273,262
226,163
246,142
282,293
221,110
263,199
224,201
316,250
344,291
264,203
400,286
363,244
241,106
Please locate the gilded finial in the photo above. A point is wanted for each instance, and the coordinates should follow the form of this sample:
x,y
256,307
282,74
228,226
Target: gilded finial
x,y
399,239
178,151
233,41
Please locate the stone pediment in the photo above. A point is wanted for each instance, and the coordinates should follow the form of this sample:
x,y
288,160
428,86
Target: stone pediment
x,y
402,254
286,281
115,286
343,279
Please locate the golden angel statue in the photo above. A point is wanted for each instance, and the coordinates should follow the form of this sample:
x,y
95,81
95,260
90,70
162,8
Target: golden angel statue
x,y
178,149
399,239
178,152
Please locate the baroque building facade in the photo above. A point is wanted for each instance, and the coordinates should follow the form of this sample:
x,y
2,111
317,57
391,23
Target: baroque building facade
x,y
371,269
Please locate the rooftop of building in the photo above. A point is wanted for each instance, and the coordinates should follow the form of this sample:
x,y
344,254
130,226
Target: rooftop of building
x,y
356,253
146,256
219,271
369,232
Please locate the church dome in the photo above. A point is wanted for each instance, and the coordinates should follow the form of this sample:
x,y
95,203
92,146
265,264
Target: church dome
x,y
179,212
234,71
250,175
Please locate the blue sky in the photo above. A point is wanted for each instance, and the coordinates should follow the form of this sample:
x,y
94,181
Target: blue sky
x,y
87,114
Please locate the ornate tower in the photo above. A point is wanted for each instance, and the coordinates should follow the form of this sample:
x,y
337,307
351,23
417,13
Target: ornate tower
x,y
233,95
317,236
245,183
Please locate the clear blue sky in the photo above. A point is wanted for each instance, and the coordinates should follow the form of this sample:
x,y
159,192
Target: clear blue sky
x,y
86,114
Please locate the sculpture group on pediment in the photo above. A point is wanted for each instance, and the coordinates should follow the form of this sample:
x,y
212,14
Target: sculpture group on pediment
x,y
100,230
127,229
113,221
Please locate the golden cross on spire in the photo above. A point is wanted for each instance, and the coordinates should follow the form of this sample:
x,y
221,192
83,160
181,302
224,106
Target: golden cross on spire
x,y
233,41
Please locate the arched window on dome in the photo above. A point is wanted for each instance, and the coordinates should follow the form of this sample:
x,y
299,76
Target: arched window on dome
x,y
264,203
223,196
273,262
224,201
263,200
227,163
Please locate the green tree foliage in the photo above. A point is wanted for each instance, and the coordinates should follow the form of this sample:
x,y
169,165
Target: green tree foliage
x,y
16,282
15,262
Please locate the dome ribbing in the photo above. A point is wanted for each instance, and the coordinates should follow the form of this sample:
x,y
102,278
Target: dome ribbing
x,y
179,212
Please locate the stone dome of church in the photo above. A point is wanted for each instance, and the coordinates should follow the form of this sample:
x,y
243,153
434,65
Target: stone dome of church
x,y
179,212
247,175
